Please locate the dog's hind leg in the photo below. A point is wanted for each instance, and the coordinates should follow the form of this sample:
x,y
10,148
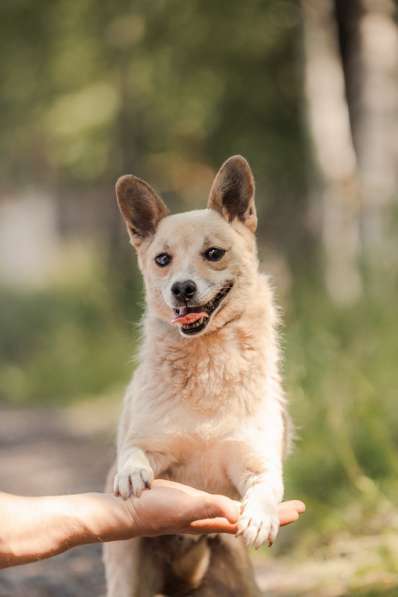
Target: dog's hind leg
x,y
208,567
130,571
121,567
230,572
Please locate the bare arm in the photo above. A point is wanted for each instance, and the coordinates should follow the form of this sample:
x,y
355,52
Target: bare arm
x,y
34,528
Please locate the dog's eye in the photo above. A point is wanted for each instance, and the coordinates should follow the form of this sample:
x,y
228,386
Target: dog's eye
x,y
163,259
214,254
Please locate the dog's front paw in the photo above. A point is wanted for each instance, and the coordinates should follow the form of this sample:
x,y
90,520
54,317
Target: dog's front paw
x,y
258,523
132,481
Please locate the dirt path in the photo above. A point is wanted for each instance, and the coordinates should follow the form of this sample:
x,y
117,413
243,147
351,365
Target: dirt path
x,y
50,452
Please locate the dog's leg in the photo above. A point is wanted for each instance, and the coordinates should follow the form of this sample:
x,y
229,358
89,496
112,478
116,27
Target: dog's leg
x,y
255,468
121,560
134,473
259,521
130,569
136,470
230,572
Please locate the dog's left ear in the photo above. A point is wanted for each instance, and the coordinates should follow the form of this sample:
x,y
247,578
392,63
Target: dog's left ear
x,y
141,207
232,192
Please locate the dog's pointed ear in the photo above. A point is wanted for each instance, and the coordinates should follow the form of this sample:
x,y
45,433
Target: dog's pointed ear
x,y
232,192
141,207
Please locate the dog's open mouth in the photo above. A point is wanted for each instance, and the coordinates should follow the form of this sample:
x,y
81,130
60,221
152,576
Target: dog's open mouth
x,y
193,320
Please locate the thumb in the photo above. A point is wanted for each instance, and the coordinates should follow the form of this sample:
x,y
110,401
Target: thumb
x,y
219,506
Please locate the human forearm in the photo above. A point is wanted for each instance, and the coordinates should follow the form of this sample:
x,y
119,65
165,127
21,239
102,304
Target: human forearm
x,y
36,528
33,528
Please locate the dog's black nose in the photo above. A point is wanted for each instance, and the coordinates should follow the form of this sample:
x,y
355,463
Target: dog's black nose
x,y
184,291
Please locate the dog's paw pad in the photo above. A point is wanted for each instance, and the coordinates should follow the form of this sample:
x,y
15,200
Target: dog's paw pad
x,y
132,482
258,525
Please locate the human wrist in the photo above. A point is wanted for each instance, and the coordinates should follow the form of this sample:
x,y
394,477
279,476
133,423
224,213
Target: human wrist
x,y
100,517
80,514
65,528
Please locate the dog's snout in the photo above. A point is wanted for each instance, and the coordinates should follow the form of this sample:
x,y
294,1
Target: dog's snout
x,y
184,291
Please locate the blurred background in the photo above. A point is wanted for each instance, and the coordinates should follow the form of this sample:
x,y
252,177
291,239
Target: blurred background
x,y
308,93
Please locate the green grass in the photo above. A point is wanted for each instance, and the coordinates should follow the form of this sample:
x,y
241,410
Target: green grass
x,y
342,380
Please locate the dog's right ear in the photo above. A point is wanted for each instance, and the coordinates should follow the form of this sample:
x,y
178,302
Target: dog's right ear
x,y
141,207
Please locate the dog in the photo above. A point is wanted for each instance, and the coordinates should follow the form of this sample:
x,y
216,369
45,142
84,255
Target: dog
x,y
205,405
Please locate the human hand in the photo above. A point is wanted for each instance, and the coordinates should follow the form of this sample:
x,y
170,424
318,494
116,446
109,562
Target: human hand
x,y
171,507
34,528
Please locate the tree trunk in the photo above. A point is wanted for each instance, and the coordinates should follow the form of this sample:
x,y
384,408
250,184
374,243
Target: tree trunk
x,y
330,129
378,128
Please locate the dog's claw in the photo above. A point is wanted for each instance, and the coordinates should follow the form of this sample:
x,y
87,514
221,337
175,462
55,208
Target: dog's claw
x,y
258,524
132,482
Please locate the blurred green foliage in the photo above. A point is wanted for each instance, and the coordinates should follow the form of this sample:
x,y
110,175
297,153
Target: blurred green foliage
x,y
178,76
341,379
65,341
159,88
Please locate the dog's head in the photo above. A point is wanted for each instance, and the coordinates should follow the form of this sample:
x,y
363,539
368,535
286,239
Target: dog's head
x,y
199,267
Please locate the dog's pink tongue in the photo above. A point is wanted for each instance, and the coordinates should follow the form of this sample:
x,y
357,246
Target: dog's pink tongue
x,y
188,318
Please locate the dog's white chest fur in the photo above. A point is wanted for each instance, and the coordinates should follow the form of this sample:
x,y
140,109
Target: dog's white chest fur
x,y
195,407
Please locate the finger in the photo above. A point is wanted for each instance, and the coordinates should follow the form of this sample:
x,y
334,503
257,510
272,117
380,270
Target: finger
x,y
287,517
216,506
290,511
294,505
287,514
213,525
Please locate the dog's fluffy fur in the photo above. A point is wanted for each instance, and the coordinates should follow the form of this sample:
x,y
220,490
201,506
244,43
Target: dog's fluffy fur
x,y
205,406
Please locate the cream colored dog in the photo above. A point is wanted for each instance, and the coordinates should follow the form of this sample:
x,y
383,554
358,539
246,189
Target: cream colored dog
x,y
205,406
